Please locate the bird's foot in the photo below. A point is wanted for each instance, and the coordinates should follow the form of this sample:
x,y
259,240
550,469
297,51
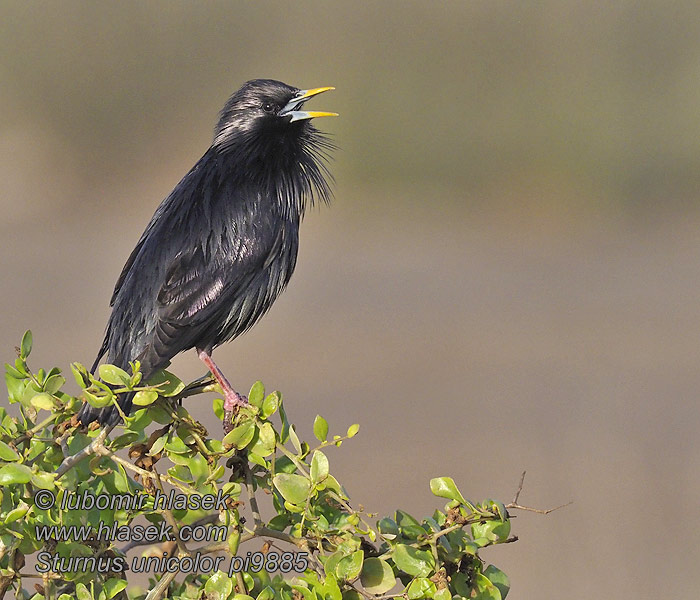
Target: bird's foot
x,y
232,402
232,399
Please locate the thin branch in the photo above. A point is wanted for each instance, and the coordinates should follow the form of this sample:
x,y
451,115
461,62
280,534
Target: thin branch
x,y
161,587
29,434
520,488
92,448
250,487
104,451
540,511
169,516
240,583
198,386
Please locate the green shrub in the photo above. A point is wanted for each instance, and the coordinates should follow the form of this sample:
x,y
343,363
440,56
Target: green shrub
x,y
72,504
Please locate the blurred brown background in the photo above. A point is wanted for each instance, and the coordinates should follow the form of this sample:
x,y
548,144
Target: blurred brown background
x,y
509,277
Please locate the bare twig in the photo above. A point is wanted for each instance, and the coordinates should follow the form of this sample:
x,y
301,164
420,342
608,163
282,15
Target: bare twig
x,y
250,487
520,488
161,587
169,516
240,583
539,511
92,448
29,434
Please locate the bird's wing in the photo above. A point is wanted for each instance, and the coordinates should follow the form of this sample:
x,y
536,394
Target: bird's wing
x,y
132,258
202,288
197,282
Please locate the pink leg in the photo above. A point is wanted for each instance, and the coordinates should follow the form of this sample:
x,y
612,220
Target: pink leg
x,y
232,398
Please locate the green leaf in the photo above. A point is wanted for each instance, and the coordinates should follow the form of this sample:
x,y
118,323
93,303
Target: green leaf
x,y
218,586
420,588
168,384
158,445
443,594
44,481
82,377
12,372
218,407
485,589
113,375
490,532
332,562
294,488
233,540
43,401
104,399
388,528
257,394
500,509
303,591
266,594
331,483
181,473
279,522
319,467
353,429
25,347
499,579
113,586
81,592
295,439
330,589
408,525
460,584
199,468
257,459
17,513
445,487
265,444
20,367
15,388
7,453
270,405
284,432
377,576
320,428
144,397
176,446
54,383
15,473
240,436
419,563
350,566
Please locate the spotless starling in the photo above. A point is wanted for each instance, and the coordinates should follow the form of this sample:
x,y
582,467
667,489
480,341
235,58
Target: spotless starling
x,y
223,245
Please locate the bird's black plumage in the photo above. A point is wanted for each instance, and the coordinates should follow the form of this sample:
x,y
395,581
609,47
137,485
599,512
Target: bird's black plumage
x,y
223,245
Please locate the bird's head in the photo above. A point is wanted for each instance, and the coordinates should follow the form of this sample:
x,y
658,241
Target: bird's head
x,y
265,110
264,129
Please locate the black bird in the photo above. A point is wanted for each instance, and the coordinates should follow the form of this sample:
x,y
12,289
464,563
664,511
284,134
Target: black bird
x,y
223,245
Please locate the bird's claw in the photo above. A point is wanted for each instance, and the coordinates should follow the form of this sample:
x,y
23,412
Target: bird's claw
x,y
232,403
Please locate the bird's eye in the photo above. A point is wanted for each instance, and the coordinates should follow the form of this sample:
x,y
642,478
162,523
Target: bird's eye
x,y
268,107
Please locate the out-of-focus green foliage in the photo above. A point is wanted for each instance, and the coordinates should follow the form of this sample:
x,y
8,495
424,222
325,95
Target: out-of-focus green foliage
x,y
316,546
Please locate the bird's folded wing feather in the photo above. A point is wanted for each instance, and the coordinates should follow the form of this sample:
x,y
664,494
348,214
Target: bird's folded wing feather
x,y
198,284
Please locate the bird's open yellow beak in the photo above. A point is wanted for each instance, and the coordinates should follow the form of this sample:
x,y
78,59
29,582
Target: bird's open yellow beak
x,y
299,99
